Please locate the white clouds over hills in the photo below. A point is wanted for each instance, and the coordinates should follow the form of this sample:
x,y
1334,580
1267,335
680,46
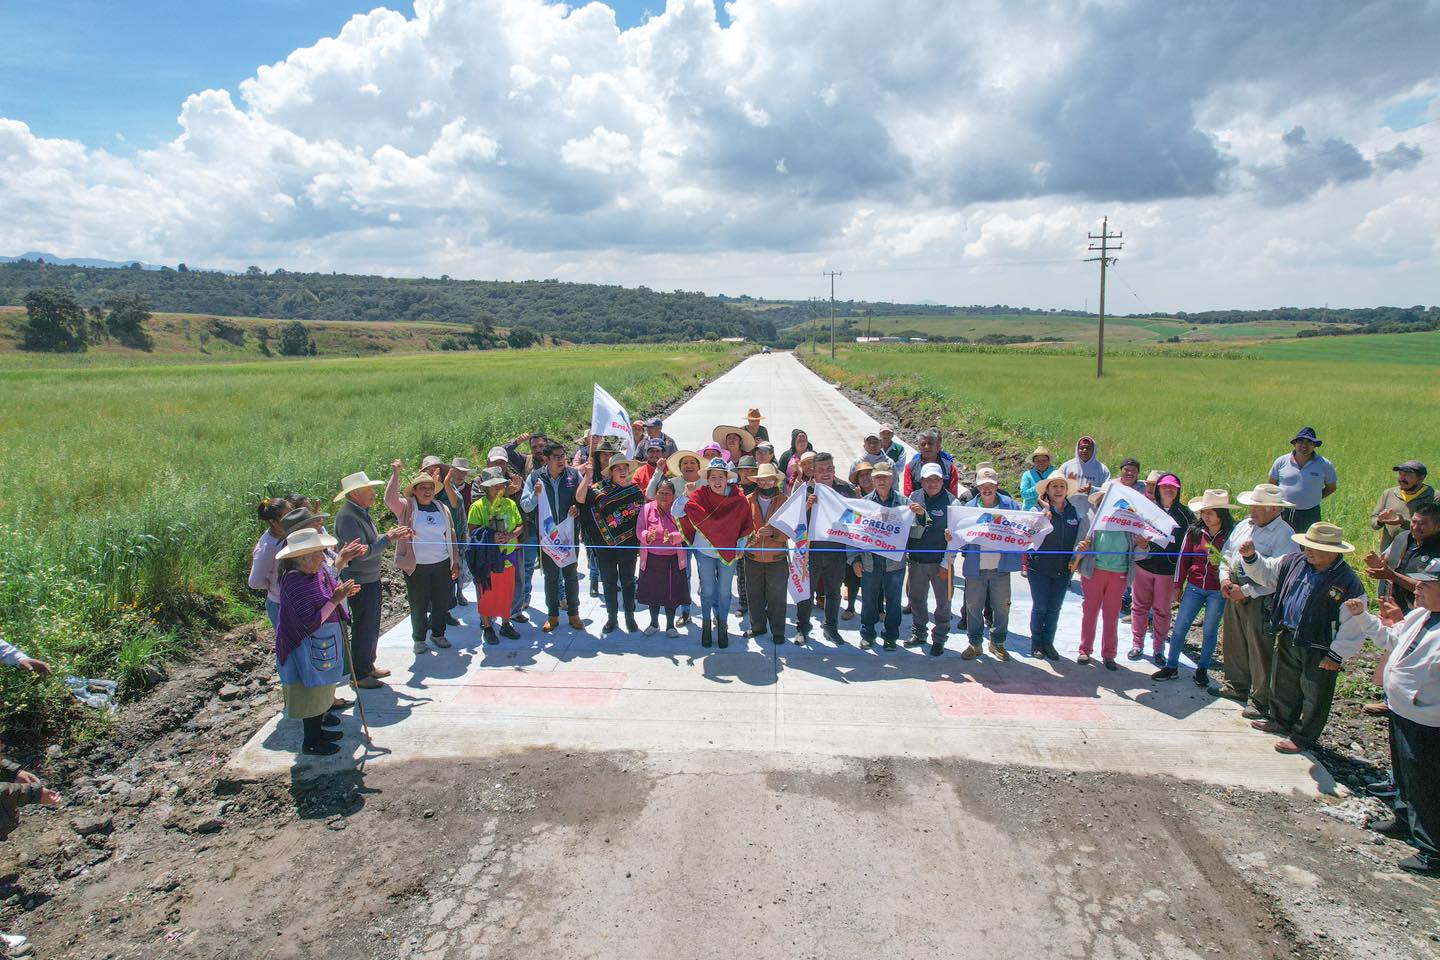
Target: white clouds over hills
x,y
1237,143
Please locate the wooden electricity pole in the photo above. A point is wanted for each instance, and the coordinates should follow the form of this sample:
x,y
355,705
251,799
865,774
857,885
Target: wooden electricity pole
x,y
1105,236
832,274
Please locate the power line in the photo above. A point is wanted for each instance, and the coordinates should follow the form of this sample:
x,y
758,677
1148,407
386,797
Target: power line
x,y
1105,261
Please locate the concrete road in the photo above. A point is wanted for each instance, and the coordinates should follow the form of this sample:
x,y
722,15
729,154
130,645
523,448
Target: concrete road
x,y
574,689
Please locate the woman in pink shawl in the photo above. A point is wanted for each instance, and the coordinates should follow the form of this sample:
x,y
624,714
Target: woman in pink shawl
x,y
664,581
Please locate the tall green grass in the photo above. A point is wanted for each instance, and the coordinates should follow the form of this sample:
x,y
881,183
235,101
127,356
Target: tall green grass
x,y
127,494
1216,421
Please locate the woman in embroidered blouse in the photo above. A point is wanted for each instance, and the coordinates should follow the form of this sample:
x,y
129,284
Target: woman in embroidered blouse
x,y
614,505
307,637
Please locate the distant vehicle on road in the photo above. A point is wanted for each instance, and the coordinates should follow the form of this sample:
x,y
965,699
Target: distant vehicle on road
x,y
764,349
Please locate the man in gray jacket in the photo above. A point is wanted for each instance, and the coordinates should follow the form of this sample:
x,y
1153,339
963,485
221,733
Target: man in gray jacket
x,y
353,522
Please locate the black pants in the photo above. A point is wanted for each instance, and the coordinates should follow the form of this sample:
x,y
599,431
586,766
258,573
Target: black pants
x,y
429,590
365,628
740,585
1300,519
767,586
1415,760
827,575
617,575
1300,691
553,576
852,586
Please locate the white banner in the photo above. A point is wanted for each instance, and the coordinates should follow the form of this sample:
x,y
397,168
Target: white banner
x,y
1007,531
609,419
1128,510
557,540
862,524
793,520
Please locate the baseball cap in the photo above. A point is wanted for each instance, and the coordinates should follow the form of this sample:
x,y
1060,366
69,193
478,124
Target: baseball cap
x,y
931,470
872,435
1129,462
887,428
654,422
1412,466
884,466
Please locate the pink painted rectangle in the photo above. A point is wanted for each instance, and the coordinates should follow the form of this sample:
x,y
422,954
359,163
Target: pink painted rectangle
x,y
519,688
1014,701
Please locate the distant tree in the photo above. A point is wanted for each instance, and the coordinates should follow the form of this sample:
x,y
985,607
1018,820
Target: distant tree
x,y
263,335
135,265
521,337
312,350
54,322
182,269
295,340
253,271
126,321
95,326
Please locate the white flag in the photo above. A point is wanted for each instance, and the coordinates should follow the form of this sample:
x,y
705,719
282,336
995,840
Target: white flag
x,y
793,520
862,524
1130,511
557,540
609,419
1006,531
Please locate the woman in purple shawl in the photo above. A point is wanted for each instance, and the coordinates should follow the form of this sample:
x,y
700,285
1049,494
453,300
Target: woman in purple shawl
x,y
307,638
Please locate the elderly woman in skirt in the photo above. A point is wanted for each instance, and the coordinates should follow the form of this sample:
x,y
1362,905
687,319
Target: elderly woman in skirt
x,y
308,644
664,577
498,514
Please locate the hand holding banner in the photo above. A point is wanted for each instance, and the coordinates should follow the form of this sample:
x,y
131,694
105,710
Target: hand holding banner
x,y
609,419
1128,510
1008,531
793,520
557,540
863,524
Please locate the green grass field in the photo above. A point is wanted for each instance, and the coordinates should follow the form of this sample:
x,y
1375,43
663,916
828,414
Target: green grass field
x,y
1217,421
129,491
1074,328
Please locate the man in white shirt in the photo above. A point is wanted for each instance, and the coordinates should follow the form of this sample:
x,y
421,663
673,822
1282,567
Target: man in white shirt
x,y
1247,644
1412,687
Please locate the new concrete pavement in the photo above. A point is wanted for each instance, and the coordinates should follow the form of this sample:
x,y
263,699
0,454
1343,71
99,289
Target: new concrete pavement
x,y
574,689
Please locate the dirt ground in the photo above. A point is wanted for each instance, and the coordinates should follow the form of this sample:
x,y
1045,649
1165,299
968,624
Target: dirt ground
x,y
550,854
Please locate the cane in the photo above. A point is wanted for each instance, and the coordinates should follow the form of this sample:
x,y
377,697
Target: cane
x,y
359,701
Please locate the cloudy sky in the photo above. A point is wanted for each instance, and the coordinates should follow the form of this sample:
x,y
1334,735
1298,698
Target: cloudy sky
x,y
1254,154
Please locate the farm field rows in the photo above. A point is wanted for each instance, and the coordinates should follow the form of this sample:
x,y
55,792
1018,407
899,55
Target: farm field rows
x,y
131,490
1071,327
1216,421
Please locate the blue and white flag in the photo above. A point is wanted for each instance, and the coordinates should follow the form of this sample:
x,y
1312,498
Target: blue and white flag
x,y
1129,511
793,520
609,419
1005,531
556,539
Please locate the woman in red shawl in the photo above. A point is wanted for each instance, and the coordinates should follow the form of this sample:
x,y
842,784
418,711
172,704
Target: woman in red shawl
x,y
716,520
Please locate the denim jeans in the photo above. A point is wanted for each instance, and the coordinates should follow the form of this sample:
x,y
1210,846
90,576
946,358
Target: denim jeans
x,y
1190,603
1047,594
525,576
716,578
874,583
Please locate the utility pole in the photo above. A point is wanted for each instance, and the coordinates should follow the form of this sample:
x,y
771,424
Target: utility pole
x,y
832,274
1105,236
814,327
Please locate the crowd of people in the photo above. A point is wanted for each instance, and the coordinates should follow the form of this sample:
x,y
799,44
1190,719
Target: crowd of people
x,y
1273,590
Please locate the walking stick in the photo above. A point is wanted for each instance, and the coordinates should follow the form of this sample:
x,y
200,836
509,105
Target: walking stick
x,y
359,701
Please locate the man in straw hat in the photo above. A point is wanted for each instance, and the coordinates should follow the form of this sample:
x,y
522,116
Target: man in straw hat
x,y
1247,645
1412,685
430,559
1304,477
354,523
1310,587
753,426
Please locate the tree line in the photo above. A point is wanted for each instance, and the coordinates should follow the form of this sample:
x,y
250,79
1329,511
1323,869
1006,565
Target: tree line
x,y
577,312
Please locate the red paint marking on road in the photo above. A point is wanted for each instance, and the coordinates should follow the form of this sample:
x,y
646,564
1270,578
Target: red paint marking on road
x,y
520,689
1025,700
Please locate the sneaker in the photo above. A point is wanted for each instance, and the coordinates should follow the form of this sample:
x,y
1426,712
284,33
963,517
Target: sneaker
x,y
322,749
1381,789
971,652
834,637
550,624
998,651
594,588
671,632
610,626
915,642
1202,678
1165,673
651,630
1051,653
802,638
451,620
1111,665
866,643
1136,653
489,634
440,642
420,646
1037,653
1423,865
1083,658
1390,827
1158,660
778,639
683,620
520,618
890,644
847,614
937,648
509,632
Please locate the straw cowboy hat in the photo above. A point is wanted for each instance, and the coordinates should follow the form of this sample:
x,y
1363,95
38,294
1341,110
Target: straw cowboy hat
x,y
747,439
355,482
753,414
416,480
1323,536
1071,485
1212,500
300,517
621,462
1040,451
308,540
1264,495
864,466
767,471
673,464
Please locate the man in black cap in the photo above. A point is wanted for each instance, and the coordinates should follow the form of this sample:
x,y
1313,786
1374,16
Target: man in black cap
x,y
1304,478
1392,512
